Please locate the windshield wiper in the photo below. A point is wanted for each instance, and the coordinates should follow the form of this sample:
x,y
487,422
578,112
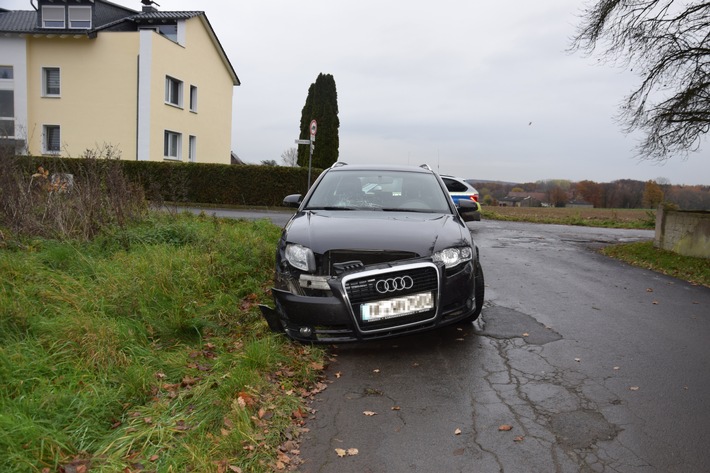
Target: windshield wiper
x,y
332,208
406,209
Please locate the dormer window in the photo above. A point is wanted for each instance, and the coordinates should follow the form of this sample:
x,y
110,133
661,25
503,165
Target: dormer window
x,y
53,17
80,18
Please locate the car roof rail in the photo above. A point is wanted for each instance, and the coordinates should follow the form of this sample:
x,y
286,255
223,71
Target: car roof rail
x,y
425,166
337,164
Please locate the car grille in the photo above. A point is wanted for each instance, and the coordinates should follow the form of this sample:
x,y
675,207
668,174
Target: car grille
x,y
362,289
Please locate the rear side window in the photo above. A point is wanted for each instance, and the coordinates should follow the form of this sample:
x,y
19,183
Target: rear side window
x,y
454,186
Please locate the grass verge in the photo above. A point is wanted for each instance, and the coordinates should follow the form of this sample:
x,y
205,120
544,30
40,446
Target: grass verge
x,y
143,350
645,255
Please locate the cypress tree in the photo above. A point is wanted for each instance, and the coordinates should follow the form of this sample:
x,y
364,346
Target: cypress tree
x,y
322,106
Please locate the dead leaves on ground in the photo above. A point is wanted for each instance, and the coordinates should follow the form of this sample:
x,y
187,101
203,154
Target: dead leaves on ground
x,y
341,452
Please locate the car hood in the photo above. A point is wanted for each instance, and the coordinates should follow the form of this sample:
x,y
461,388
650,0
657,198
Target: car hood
x,y
420,233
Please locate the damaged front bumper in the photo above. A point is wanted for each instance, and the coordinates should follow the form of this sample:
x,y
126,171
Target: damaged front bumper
x,y
372,303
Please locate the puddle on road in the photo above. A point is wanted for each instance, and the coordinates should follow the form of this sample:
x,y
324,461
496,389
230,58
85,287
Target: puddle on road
x,y
504,323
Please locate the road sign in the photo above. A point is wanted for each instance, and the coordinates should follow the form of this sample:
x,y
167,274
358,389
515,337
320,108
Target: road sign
x,y
314,127
303,142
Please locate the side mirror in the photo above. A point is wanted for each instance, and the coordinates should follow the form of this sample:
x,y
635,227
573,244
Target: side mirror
x,y
469,210
293,200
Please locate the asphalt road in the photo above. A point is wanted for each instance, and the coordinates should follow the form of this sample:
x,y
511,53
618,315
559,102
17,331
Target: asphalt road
x,y
594,365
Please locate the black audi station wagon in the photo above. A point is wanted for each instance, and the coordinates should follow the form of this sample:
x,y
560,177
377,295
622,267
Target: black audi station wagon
x,y
374,252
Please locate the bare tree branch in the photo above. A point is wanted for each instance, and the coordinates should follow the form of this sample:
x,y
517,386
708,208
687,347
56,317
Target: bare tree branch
x,y
667,42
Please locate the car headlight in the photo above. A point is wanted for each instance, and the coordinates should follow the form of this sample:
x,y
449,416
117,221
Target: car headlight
x,y
300,257
453,256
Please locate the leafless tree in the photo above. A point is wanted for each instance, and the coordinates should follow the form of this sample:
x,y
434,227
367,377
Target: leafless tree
x,y
290,157
668,43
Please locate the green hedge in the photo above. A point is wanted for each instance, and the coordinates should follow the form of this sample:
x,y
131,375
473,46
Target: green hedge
x,y
218,184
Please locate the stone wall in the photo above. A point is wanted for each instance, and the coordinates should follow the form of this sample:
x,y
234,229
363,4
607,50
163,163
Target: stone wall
x,y
683,231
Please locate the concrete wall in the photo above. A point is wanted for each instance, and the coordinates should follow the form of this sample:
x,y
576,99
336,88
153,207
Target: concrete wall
x,y
684,232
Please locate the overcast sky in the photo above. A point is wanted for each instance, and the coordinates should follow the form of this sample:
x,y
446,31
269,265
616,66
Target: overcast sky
x,y
481,90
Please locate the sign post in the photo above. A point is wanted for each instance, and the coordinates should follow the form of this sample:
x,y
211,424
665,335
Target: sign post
x,y
311,143
314,127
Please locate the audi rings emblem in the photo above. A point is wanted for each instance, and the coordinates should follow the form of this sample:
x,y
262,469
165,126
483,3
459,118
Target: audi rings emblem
x,y
384,286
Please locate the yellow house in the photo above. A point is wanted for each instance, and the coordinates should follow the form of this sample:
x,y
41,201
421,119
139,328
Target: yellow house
x,y
81,74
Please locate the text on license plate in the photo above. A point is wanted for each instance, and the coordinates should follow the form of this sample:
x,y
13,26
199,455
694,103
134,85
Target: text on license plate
x,y
397,307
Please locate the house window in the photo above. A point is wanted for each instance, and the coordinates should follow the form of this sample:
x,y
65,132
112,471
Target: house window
x,y
7,113
192,151
173,142
53,17
52,139
193,98
7,102
80,18
173,91
50,82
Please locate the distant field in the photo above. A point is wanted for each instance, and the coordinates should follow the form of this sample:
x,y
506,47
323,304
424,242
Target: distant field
x,y
620,218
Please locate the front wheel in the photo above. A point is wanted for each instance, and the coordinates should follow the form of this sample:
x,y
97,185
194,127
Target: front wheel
x,y
479,292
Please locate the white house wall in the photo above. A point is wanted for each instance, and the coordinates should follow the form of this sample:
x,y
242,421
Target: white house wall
x,y
13,52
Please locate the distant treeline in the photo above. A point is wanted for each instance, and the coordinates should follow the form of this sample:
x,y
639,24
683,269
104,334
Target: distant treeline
x,y
620,194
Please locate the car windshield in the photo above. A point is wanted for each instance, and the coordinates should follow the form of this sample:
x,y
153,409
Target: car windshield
x,y
379,190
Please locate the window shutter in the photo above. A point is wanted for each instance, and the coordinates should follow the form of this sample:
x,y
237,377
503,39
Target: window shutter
x,y
52,81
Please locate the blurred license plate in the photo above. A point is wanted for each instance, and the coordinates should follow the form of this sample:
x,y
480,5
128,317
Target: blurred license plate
x,y
397,307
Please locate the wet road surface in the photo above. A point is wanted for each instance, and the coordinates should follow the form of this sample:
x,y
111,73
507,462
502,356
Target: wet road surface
x,y
578,363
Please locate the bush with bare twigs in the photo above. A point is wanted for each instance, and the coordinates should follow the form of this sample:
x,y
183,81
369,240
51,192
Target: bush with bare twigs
x,y
51,202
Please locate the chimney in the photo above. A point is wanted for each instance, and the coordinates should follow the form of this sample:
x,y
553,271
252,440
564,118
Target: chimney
x,y
148,6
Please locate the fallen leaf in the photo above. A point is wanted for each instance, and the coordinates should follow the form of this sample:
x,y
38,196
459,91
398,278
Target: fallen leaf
x,y
616,368
457,432
338,374
247,398
578,360
649,290
633,388
376,370
526,334
369,413
505,428
395,408
342,452
519,438
154,458
654,302
353,451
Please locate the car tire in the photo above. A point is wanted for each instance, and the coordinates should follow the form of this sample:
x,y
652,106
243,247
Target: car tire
x,y
480,290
